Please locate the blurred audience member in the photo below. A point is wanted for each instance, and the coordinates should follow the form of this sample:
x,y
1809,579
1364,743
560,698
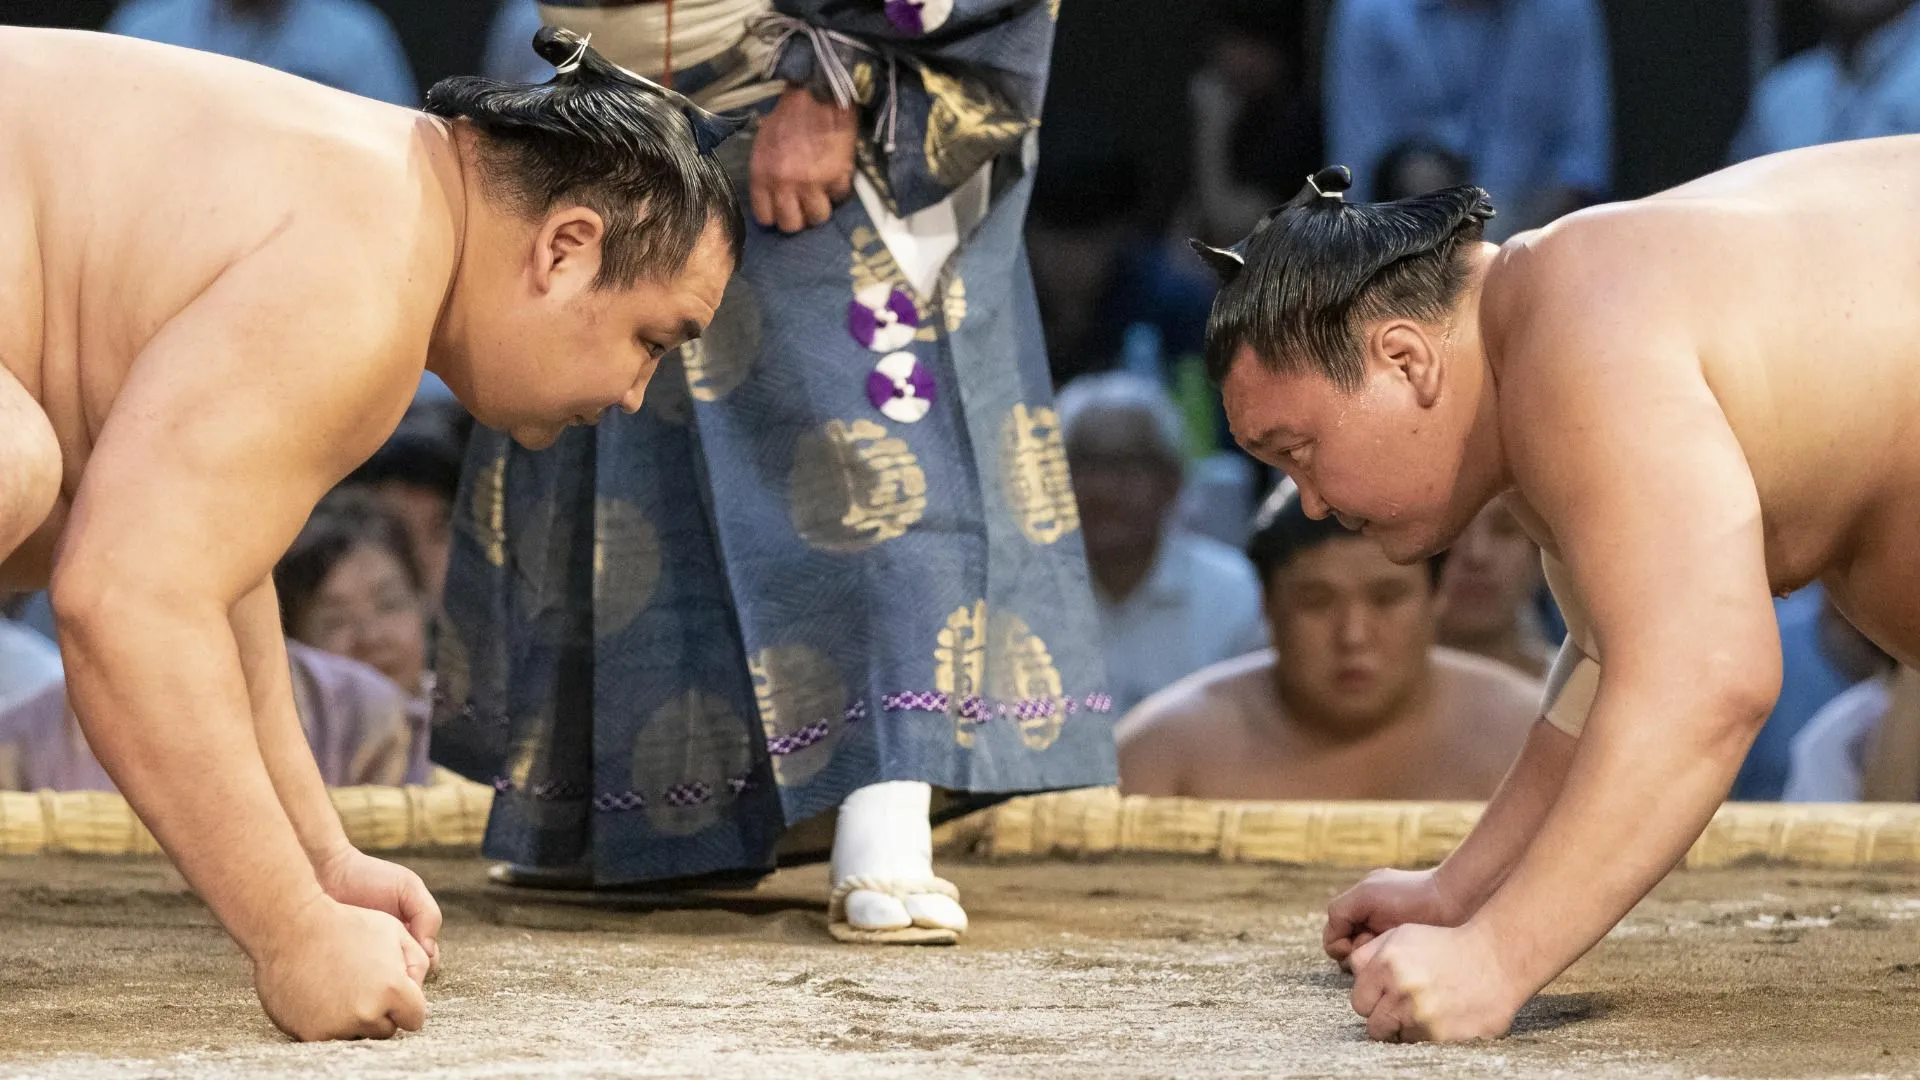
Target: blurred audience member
x,y
1808,680
345,44
1519,88
363,730
416,476
1416,167
28,661
1487,593
1862,81
349,585
509,57
1829,755
1256,125
350,605
1170,602
1354,701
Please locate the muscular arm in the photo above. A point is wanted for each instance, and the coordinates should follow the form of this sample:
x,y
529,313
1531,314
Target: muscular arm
x,y
276,725
1619,443
233,421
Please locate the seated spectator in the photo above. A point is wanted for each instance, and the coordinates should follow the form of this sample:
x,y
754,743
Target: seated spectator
x,y
363,730
1522,89
1861,82
1487,594
350,605
350,585
1170,602
1416,167
28,659
1354,701
416,476
1829,755
345,44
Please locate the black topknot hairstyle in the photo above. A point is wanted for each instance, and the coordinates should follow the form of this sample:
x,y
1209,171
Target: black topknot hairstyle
x,y
1314,268
600,136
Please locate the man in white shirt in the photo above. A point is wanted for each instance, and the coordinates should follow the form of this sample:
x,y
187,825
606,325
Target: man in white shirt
x,y
1170,602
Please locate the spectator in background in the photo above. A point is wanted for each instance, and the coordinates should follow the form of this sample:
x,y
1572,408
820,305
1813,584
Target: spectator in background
x,y
1256,125
1829,755
345,44
1487,593
28,659
1862,81
416,476
1519,88
1354,701
1170,603
350,585
350,604
1416,167
508,58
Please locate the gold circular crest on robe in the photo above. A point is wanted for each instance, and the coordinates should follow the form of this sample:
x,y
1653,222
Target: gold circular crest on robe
x,y
489,508
1033,474
803,703
626,564
683,758
452,668
997,657
853,486
718,361
527,767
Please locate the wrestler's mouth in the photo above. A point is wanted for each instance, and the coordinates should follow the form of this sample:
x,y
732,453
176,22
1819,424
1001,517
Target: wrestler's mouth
x,y
1349,522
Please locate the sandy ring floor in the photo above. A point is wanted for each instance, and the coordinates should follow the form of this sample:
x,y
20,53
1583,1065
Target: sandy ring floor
x,y
1125,968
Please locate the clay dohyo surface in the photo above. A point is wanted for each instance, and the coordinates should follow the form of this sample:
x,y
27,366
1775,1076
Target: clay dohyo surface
x,y
1123,968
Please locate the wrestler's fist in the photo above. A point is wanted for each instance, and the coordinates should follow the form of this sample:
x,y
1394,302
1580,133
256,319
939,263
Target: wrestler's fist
x,y
342,972
1434,984
1383,900
802,161
353,877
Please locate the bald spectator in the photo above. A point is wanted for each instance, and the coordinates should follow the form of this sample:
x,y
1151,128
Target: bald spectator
x,y
1170,602
1354,701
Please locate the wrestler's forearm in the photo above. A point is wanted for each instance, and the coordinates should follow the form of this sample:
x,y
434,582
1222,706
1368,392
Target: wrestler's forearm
x,y
157,684
1477,867
276,724
1651,767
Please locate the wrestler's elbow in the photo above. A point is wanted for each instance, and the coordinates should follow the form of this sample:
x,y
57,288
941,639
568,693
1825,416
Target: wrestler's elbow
x,y
100,612
1734,689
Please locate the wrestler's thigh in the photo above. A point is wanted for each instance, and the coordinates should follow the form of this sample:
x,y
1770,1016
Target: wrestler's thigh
x,y
29,472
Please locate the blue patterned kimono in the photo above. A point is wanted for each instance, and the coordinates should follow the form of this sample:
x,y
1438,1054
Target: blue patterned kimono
x,y
837,545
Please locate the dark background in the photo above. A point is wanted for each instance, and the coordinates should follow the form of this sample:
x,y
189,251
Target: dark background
x,y
1681,73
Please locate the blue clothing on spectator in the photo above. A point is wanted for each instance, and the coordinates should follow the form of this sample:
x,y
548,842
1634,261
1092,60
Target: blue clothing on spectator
x,y
1818,97
510,56
1520,88
345,44
1807,682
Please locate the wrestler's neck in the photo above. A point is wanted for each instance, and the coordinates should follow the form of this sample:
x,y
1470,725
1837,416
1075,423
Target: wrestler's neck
x,y
1473,342
456,167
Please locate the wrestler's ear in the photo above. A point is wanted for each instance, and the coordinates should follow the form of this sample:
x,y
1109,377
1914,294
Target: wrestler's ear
x,y
1410,353
568,246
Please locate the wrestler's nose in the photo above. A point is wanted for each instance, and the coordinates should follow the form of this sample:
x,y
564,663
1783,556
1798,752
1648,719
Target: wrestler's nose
x,y
631,401
1311,502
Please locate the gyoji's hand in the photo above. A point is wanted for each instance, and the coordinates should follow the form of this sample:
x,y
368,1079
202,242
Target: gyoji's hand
x,y
802,161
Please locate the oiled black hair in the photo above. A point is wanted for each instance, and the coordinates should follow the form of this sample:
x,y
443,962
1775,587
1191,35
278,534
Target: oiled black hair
x,y
1282,530
599,136
1297,288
